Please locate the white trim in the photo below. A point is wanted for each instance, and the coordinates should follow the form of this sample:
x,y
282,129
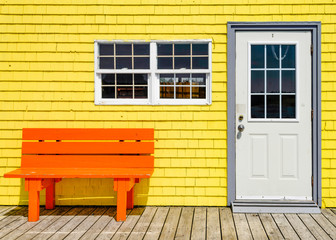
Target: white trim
x,y
153,94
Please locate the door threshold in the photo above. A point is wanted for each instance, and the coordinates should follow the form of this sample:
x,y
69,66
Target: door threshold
x,y
274,206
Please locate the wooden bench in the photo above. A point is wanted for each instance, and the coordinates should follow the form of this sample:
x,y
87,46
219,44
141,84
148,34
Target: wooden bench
x,y
57,153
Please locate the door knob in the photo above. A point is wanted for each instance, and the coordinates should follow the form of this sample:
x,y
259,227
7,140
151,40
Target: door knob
x,y
241,127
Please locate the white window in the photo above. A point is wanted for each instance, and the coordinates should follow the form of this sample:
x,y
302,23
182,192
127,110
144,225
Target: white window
x,y
153,73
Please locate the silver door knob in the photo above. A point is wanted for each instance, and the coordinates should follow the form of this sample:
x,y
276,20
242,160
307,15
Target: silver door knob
x,y
241,127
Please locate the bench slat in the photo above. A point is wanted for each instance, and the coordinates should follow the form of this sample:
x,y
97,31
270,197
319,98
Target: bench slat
x,y
80,173
86,161
87,147
88,134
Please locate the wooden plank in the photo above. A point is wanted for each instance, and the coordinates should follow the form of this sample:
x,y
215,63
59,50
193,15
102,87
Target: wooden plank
x,y
199,224
6,209
87,147
325,224
256,227
313,227
88,133
227,224
284,226
185,223
9,211
299,227
43,224
86,161
170,226
141,227
13,216
126,228
157,223
213,224
329,215
72,224
270,226
21,225
243,229
81,173
110,229
100,224
86,224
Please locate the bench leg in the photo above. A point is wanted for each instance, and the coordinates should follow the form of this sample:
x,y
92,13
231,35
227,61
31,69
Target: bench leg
x,y
121,200
50,196
130,198
34,200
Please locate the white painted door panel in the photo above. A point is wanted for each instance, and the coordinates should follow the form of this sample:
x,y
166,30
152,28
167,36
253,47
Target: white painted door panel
x,y
273,152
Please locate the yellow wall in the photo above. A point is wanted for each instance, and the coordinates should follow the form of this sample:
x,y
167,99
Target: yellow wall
x,y
47,80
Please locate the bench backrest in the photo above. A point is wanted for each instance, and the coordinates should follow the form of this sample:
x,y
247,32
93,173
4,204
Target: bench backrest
x,y
87,148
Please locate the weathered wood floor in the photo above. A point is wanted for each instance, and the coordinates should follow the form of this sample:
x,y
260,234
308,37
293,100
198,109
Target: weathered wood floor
x,y
164,223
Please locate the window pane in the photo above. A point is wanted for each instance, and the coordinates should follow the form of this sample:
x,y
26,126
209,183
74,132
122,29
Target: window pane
x,y
199,49
182,62
106,63
182,49
108,92
182,79
257,106
165,49
198,79
140,92
124,49
273,81
140,79
257,81
124,62
165,63
106,49
288,106
141,49
272,56
124,79
166,92
108,79
141,62
273,107
288,56
200,63
166,79
182,92
198,92
257,56
288,82
125,92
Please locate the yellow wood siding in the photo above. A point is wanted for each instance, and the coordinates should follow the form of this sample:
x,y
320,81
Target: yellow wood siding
x,y
47,80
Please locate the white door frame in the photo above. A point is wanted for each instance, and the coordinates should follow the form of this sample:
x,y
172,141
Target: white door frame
x,y
315,28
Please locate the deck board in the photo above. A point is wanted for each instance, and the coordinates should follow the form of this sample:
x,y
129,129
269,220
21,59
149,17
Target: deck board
x,y
152,223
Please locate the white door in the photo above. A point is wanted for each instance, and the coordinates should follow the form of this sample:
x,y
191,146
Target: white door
x,y
273,115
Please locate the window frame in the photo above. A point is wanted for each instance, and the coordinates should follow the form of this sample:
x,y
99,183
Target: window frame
x,y
153,78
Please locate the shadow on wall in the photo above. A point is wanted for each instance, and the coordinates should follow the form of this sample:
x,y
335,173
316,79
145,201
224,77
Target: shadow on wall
x,y
88,191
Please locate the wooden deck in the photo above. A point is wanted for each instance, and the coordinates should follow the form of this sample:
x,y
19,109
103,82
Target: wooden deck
x,y
164,223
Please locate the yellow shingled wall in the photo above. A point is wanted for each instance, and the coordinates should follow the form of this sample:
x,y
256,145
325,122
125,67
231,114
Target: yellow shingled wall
x,y
47,80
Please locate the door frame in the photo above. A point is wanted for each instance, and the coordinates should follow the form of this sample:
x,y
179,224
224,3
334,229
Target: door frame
x,y
315,28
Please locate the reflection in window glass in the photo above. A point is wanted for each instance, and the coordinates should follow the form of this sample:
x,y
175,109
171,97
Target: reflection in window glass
x,y
257,81
141,49
165,63
106,49
273,81
183,92
106,63
108,79
272,56
108,92
182,49
140,92
198,92
124,79
166,79
124,49
124,62
182,79
124,92
288,56
140,79
165,49
182,62
257,56
198,79
199,49
200,63
288,106
288,81
166,92
141,62
273,106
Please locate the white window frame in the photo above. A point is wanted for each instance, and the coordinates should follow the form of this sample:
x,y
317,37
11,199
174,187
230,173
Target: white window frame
x,y
153,79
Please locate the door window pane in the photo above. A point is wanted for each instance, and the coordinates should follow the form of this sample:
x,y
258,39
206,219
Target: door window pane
x,y
288,106
288,56
272,56
288,82
273,106
257,56
273,84
257,81
257,106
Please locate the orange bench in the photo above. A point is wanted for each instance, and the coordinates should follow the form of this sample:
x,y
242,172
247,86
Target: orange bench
x,y
57,153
